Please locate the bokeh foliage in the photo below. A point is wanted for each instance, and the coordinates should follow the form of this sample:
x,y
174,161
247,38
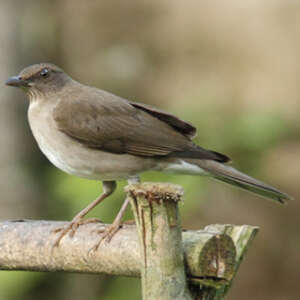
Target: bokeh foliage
x,y
229,68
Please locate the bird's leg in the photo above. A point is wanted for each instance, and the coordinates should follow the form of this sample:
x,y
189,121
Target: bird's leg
x,y
112,229
108,189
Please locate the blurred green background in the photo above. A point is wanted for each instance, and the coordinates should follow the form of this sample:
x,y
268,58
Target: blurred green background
x,y
229,67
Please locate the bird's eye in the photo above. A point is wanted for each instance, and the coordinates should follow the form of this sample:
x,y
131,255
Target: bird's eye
x,y
45,72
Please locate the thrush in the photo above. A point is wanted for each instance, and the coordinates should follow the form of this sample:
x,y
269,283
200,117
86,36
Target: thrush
x,y
91,133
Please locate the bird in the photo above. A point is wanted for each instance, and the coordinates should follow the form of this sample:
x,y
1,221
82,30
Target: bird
x,y
94,134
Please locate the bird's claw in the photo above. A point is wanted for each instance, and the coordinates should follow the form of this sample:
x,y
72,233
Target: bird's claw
x,y
71,228
107,234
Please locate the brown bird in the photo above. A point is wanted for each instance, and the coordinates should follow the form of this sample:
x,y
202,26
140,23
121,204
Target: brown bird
x,y
94,134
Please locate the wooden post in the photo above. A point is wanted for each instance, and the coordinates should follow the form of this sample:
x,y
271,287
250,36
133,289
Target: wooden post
x,y
157,218
193,264
163,273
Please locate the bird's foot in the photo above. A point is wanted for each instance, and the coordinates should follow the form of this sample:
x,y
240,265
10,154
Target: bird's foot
x,y
107,234
111,230
72,227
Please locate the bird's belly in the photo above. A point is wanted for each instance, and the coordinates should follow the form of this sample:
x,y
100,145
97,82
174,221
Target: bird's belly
x,y
76,159
66,163
70,156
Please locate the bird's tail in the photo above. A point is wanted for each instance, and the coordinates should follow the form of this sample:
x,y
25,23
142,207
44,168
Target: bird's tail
x,y
234,177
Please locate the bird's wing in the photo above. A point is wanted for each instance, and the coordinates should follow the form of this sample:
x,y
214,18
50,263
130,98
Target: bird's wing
x,y
107,122
181,126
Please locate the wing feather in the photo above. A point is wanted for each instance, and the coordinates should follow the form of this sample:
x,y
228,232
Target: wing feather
x,y
118,127
103,121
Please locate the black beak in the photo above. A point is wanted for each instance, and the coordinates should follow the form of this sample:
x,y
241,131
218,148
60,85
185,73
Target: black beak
x,y
16,81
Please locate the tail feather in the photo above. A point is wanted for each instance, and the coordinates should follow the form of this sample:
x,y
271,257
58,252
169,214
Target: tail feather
x,y
234,177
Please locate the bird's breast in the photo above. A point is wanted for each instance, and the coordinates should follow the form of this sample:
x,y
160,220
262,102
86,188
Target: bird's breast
x,y
72,157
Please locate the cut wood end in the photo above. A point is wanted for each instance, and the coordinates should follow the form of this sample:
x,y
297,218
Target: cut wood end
x,y
219,257
156,191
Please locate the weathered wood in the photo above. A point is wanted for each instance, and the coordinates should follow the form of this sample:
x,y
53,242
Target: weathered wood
x,y
26,245
157,218
163,276
214,288
211,256
207,259
242,237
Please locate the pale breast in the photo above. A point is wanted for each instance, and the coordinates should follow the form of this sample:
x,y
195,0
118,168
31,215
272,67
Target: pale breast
x,y
50,141
72,157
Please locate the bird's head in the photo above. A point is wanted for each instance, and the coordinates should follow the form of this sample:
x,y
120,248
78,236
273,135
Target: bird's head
x,y
40,78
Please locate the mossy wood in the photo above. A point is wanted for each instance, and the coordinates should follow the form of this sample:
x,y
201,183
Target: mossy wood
x,y
211,257
190,265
